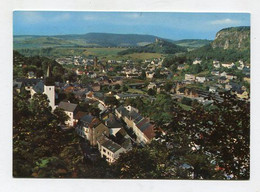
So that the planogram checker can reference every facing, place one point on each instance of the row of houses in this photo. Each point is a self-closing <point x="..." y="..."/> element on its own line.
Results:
<point x="141" y="126"/>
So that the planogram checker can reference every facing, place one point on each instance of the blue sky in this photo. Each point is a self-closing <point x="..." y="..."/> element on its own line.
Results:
<point x="163" y="24"/>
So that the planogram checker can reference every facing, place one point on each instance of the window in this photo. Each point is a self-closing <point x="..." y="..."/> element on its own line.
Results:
<point x="49" y="88"/>
<point x="104" y="150"/>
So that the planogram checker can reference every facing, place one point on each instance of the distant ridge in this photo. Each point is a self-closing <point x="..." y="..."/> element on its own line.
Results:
<point x="95" y="40"/>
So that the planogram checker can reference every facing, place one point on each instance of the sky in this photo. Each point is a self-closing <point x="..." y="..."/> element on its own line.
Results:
<point x="169" y="25"/>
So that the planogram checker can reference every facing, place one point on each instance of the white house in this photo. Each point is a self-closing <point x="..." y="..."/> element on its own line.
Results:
<point x="228" y="65"/>
<point x="70" y="109"/>
<point x="109" y="149"/>
<point x="216" y="64"/>
<point x="149" y="75"/>
<point x="189" y="77"/>
<point x="152" y="85"/>
<point x="201" y="79"/>
<point x="212" y="89"/>
<point x="196" y="61"/>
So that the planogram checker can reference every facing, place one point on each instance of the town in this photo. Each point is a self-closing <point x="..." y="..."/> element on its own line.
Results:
<point x="93" y="116"/>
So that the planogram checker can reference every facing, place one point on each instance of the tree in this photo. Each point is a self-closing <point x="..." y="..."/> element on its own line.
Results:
<point x="111" y="100"/>
<point x="151" y="92"/>
<point x="124" y="88"/>
<point x="60" y="115"/>
<point x="117" y="86"/>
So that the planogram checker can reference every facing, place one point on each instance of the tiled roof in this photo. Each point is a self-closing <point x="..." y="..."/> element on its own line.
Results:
<point x="149" y="132"/>
<point x="80" y="114"/>
<point x="108" y="144"/>
<point x="68" y="106"/>
<point x="39" y="87"/>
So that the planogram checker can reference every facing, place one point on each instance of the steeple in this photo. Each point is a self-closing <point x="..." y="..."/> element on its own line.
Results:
<point x="48" y="71"/>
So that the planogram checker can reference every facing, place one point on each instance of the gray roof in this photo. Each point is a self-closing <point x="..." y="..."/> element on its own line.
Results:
<point x="39" y="87"/>
<point x="87" y="118"/>
<point x="110" y="145"/>
<point x="122" y="110"/>
<point x="68" y="106"/>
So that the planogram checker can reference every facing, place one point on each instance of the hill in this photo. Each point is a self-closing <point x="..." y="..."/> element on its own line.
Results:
<point x="229" y="45"/>
<point x="159" y="46"/>
<point x="95" y="40"/>
<point x="84" y="40"/>
<point x="232" y="38"/>
<point x="192" y="43"/>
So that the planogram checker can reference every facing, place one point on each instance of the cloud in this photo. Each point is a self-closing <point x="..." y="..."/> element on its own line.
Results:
<point x="224" y="21"/>
<point x="31" y="17"/>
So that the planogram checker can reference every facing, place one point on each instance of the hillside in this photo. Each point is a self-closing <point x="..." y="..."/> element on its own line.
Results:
<point x="159" y="46"/>
<point x="230" y="44"/>
<point x="95" y="40"/>
<point x="192" y="43"/>
<point x="232" y="38"/>
<point x="85" y="40"/>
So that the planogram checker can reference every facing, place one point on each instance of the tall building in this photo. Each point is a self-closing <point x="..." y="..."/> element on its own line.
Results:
<point x="47" y="87"/>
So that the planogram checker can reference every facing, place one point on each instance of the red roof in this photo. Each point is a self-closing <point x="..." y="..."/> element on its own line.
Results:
<point x="149" y="132"/>
<point x="80" y="114"/>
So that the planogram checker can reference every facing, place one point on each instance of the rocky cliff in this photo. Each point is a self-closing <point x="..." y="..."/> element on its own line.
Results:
<point x="232" y="38"/>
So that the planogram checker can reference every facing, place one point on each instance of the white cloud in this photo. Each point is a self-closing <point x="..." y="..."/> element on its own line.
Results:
<point x="31" y="17"/>
<point x="224" y="21"/>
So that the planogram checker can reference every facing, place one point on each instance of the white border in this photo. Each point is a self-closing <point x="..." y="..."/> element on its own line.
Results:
<point x="32" y="185"/>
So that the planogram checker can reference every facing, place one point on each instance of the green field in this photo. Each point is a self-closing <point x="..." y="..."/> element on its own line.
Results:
<point x="102" y="53"/>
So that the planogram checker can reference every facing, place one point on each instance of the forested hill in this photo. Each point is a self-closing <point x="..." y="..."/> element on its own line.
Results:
<point x="96" y="40"/>
<point x="230" y="44"/>
<point x="160" y="46"/>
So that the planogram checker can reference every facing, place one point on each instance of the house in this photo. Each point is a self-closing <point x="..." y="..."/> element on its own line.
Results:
<point x="247" y="78"/>
<point x="132" y="75"/>
<point x="223" y="74"/>
<point x="28" y="83"/>
<point x="231" y="77"/>
<point x="91" y="128"/>
<point x="242" y="94"/>
<point x="95" y="86"/>
<point x="216" y="64"/>
<point x="92" y="75"/>
<point x="189" y="77"/>
<point x="228" y="65"/>
<point x="222" y="80"/>
<point x="70" y="109"/>
<point x="124" y="96"/>
<point x="228" y="86"/>
<point x="113" y="124"/>
<point x="31" y="75"/>
<point x="109" y="149"/>
<point x="149" y="74"/>
<point x="214" y="72"/>
<point x="213" y="89"/>
<point x="141" y="126"/>
<point x="181" y="67"/>
<point x="152" y="85"/>
<point x="196" y="61"/>
<point x="201" y="79"/>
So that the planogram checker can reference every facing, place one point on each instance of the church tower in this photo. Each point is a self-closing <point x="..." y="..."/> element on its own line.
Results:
<point x="49" y="88"/>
